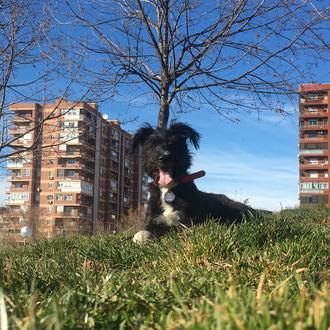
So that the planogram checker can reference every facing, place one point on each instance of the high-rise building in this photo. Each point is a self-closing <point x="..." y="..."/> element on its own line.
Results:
<point x="314" y="144"/>
<point x="73" y="171"/>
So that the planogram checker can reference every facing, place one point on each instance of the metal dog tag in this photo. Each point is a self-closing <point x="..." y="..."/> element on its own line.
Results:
<point x="169" y="197"/>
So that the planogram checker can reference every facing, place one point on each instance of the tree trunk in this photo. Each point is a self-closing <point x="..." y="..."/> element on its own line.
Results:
<point x="164" y="111"/>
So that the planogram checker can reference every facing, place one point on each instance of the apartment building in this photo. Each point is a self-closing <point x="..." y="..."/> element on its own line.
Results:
<point x="79" y="176"/>
<point x="314" y="144"/>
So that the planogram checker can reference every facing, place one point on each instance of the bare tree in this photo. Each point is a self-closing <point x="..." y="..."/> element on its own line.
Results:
<point x="226" y="55"/>
<point x="35" y="67"/>
<point x="24" y="69"/>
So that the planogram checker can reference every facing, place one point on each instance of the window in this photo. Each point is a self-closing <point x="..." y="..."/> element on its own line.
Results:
<point x="49" y="197"/>
<point x="312" y="134"/>
<point x="68" y="209"/>
<point x="314" y="185"/>
<point x="315" y="96"/>
<point x="115" y="144"/>
<point x="59" y="223"/>
<point x="72" y="149"/>
<point x="313" y="161"/>
<point x="60" y="172"/>
<point x="115" y="155"/>
<point x="68" y="197"/>
<point x="115" y="134"/>
<point x="15" y="161"/>
<point x="70" y="173"/>
<point x="50" y="186"/>
<point x="312" y="122"/>
<point x="19" y="196"/>
<point x="314" y="199"/>
<point x="70" y="112"/>
<point x="58" y="197"/>
<point x="18" y="185"/>
<point x="26" y="172"/>
<point x="59" y="209"/>
<point x="311" y="109"/>
<point x="113" y="184"/>
<point x="313" y="174"/>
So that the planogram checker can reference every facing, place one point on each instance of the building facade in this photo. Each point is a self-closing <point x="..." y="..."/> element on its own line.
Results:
<point x="314" y="144"/>
<point x="73" y="172"/>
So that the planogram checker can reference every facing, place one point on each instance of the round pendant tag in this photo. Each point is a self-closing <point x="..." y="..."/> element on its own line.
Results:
<point x="169" y="197"/>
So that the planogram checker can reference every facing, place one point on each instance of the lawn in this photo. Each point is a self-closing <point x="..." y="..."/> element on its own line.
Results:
<point x="263" y="274"/>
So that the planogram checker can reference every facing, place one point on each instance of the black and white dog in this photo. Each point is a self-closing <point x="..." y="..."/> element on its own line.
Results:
<point x="174" y="198"/>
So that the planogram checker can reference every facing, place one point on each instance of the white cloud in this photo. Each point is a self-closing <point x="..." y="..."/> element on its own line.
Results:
<point x="267" y="183"/>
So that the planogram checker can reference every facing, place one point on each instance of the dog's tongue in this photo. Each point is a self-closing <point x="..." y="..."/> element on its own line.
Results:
<point x="164" y="178"/>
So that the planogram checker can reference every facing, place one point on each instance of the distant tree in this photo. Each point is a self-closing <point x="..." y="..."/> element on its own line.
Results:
<point x="189" y="54"/>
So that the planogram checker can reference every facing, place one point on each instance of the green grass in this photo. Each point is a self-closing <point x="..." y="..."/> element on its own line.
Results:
<point x="258" y="275"/>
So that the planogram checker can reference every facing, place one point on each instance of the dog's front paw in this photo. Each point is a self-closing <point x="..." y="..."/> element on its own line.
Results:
<point x="142" y="236"/>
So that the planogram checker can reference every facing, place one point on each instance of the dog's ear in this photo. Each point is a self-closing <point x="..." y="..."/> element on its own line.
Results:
<point x="142" y="135"/>
<point x="187" y="132"/>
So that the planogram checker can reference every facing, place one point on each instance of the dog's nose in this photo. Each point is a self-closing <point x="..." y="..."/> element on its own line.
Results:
<point x="164" y="155"/>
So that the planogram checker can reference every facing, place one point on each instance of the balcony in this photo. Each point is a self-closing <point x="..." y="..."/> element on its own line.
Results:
<point x="21" y="143"/>
<point x="19" y="189"/>
<point x="69" y="154"/>
<point x="19" y="178"/>
<point x="313" y="179"/>
<point x="317" y="100"/>
<point x="14" y="164"/>
<point x="306" y="139"/>
<point x="88" y="156"/>
<point x="72" y="214"/>
<point x="313" y="114"/>
<point x="16" y="201"/>
<point x="313" y="152"/>
<point x="86" y="144"/>
<point x="70" y="177"/>
<point x="309" y="166"/>
<point x="306" y="127"/>
<point x="19" y="130"/>
<point x="312" y="191"/>
<point x="22" y="118"/>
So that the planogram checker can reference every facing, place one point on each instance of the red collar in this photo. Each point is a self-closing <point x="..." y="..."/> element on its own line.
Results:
<point x="184" y="179"/>
<point x="191" y="177"/>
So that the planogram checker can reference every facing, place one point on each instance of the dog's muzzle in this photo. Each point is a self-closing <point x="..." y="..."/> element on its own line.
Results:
<point x="165" y="156"/>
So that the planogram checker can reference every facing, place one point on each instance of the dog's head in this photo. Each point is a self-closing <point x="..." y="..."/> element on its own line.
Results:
<point x="165" y="152"/>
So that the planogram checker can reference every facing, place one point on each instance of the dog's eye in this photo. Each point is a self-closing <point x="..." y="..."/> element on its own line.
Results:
<point x="153" y="146"/>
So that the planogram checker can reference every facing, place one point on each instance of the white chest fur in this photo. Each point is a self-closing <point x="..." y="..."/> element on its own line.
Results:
<point x="169" y="217"/>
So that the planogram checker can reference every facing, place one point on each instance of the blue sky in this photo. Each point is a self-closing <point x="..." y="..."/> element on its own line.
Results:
<point x="254" y="158"/>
